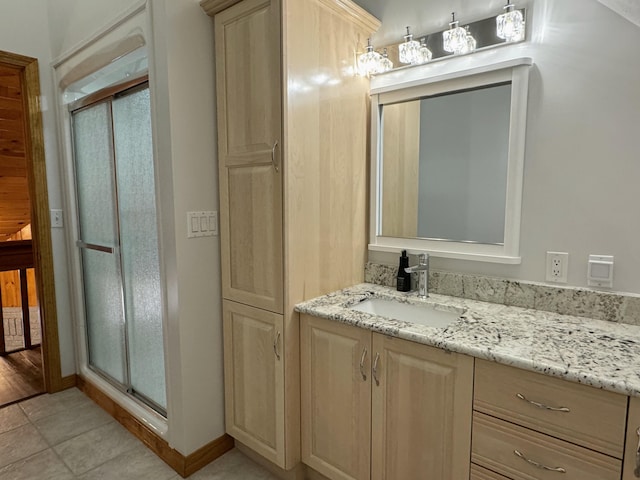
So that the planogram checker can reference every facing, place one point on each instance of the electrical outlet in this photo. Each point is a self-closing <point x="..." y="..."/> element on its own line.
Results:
<point x="557" y="267"/>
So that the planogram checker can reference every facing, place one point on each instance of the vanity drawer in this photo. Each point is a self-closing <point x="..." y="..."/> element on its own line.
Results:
<point x="480" y="473"/>
<point x="495" y="443"/>
<point x="595" y="418"/>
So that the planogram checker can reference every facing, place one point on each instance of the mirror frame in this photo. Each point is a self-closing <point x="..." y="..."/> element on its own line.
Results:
<point x="447" y="77"/>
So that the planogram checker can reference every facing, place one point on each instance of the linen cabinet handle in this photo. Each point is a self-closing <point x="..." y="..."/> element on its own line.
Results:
<point x="364" y="355"/>
<point x="539" y="465"/>
<point x="542" y="405"/>
<point x="375" y="369"/>
<point x="276" y="341"/>
<point x="636" y="471"/>
<point x="273" y="157"/>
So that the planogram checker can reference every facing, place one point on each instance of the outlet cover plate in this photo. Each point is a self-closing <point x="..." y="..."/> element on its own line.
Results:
<point x="557" y="267"/>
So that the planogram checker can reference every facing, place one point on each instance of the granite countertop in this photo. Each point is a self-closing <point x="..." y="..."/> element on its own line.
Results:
<point x="592" y="352"/>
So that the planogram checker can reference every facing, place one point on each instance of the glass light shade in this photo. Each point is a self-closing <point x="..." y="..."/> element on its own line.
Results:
<point x="409" y="50"/>
<point x="385" y="64"/>
<point x="454" y="40"/>
<point x="369" y="61"/>
<point x="471" y="42"/>
<point x="424" y="53"/>
<point x="510" y="25"/>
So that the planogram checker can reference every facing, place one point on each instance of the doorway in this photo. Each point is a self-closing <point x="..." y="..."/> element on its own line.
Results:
<point x="24" y="218"/>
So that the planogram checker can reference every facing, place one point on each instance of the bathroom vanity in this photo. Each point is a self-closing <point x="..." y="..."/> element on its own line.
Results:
<point x="500" y="393"/>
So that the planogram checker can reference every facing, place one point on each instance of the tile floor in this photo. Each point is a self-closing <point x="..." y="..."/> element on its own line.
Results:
<point x="66" y="436"/>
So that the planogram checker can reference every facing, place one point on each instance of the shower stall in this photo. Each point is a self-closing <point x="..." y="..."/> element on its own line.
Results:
<point x="118" y="240"/>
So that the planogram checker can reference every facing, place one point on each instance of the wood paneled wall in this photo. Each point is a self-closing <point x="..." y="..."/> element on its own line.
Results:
<point x="14" y="189"/>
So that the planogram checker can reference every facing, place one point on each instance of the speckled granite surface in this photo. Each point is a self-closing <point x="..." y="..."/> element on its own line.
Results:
<point x="588" y="351"/>
<point x="610" y="306"/>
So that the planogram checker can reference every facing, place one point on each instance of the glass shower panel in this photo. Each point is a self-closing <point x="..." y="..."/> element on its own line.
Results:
<point x="139" y="240"/>
<point x="98" y="234"/>
<point x="105" y="316"/>
<point x="94" y="175"/>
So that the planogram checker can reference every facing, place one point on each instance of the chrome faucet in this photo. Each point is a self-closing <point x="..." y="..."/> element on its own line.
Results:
<point x="423" y="274"/>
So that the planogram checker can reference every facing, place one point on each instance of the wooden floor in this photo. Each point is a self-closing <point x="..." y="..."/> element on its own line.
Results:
<point x="20" y="376"/>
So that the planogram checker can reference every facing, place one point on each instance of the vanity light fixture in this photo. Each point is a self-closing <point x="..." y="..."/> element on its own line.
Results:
<point x="454" y="40"/>
<point x="385" y="64"/>
<point x="424" y="53"/>
<point x="510" y="24"/>
<point x="369" y="61"/>
<point x="409" y="50"/>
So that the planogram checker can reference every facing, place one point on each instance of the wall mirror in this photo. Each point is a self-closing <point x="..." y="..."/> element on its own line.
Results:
<point x="448" y="157"/>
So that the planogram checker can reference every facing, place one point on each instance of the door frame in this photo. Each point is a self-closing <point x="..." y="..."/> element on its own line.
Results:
<point x="40" y="220"/>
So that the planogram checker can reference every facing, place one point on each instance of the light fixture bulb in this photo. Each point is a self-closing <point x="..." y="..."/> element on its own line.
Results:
<point x="409" y="50"/>
<point x="510" y="24"/>
<point x="424" y="53"/>
<point x="369" y="61"/>
<point x="385" y="64"/>
<point x="454" y="40"/>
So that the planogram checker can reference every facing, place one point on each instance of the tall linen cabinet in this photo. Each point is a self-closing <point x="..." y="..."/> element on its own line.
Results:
<point x="292" y="152"/>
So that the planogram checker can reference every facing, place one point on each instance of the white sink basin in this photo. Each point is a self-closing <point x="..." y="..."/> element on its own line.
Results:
<point x="429" y="315"/>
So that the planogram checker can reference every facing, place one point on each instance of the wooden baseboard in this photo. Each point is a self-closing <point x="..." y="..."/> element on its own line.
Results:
<point x="69" y="382"/>
<point x="183" y="465"/>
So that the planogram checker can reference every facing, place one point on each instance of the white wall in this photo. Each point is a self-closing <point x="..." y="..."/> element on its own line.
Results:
<point x="24" y="30"/>
<point x="184" y="57"/>
<point x="72" y="22"/>
<point x="581" y="163"/>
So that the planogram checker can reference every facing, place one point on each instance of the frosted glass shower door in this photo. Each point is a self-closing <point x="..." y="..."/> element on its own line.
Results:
<point x="115" y="185"/>
<point x="95" y="180"/>
<point x="139" y="240"/>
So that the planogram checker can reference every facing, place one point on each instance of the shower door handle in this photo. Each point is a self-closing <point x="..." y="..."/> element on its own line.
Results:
<point x="93" y="246"/>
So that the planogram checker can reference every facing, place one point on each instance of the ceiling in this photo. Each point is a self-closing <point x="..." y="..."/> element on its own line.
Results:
<point x="14" y="196"/>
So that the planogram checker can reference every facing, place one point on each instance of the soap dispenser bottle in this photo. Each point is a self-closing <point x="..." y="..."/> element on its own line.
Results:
<point x="403" y="279"/>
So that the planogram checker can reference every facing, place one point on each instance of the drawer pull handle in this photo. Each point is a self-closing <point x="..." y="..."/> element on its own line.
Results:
<point x="542" y="405"/>
<point x="273" y="157"/>
<point x="375" y="369"/>
<point x="539" y="465"/>
<point x="276" y="341"/>
<point x="636" y="471"/>
<point x="364" y="355"/>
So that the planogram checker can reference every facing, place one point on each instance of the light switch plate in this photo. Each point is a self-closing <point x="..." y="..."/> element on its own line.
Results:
<point x="202" y="224"/>
<point x="56" y="219"/>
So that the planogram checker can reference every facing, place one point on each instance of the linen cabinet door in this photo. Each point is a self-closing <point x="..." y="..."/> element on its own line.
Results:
<point x="248" y="81"/>
<point x="336" y="398"/>
<point x="254" y="379"/>
<point x="421" y="411"/>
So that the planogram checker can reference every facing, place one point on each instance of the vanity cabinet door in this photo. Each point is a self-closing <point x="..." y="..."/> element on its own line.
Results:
<point x="421" y="411"/>
<point x="631" y="457"/>
<point x="336" y="398"/>
<point x="254" y="378"/>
